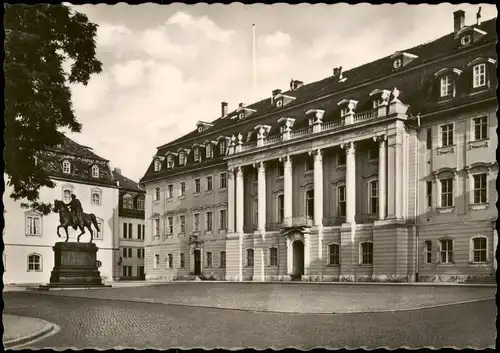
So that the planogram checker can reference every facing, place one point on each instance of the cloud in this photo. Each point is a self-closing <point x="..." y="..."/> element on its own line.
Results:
<point x="111" y="35"/>
<point x="277" y="40"/>
<point x="92" y="97"/>
<point x="203" y="25"/>
<point x="157" y="44"/>
<point x="128" y="74"/>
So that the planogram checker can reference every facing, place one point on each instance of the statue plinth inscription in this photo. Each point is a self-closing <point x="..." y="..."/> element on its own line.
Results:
<point x="75" y="265"/>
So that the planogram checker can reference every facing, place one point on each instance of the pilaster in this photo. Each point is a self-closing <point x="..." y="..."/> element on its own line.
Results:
<point x="230" y="201"/>
<point x="261" y="197"/>
<point x="382" y="176"/>
<point x="350" y="151"/>
<point x="287" y="186"/>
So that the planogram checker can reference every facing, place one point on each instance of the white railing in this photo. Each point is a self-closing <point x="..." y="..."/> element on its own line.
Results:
<point x="272" y="139"/>
<point x="301" y="132"/>
<point x="332" y="124"/>
<point x="366" y="115"/>
<point x="298" y="221"/>
<point x="248" y="146"/>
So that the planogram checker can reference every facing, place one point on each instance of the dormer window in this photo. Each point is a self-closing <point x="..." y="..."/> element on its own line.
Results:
<point x="208" y="151"/>
<point x="182" y="158"/>
<point x="196" y="154"/>
<point x="446" y="86"/>
<point x="241" y="115"/>
<point x="222" y="147"/>
<point x="157" y="165"/>
<point x="170" y="162"/>
<point x="401" y="59"/>
<point x="279" y="103"/>
<point x="66" y="167"/>
<point x="95" y="171"/>
<point x="479" y="75"/>
<point x="466" y="39"/>
<point x="397" y="63"/>
<point x="446" y="79"/>
<point x="201" y="126"/>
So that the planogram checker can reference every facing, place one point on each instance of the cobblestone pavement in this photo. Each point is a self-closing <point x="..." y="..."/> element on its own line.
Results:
<point x="328" y="298"/>
<point x="99" y="323"/>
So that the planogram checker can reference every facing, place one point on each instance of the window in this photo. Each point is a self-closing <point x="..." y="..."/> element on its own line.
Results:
<point x="281" y="169"/>
<point x="208" y="151"/>
<point x="222" y="259"/>
<point x="281" y="208"/>
<point x="222" y="219"/>
<point x="341" y="158"/>
<point x="209" y="183"/>
<point x="343" y="112"/>
<point x="182" y="259"/>
<point x="140" y="253"/>
<point x="157" y="194"/>
<point x="377" y="103"/>
<point x="209" y="221"/>
<point x="310" y="204"/>
<point x="446" y="86"/>
<point x="222" y="180"/>
<point x="374" y="197"/>
<point x="95" y="171"/>
<point x="429" y="193"/>
<point x="157" y="165"/>
<point x="125" y="231"/>
<point x="139" y="231"/>
<point x="222" y="147"/>
<point x="67" y="195"/>
<point x="127" y="271"/>
<point x="479" y="250"/>
<point x="309" y="163"/>
<point x="273" y="256"/>
<point x="66" y="167"/>
<point x="182" y="219"/>
<point x="182" y="158"/>
<point x="157" y="261"/>
<point x="479" y="75"/>
<point x="480" y="128"/>
<point x="170" y="261"/>
<point x="428" y="252"/>
<point x="209" y="259"/>
<point x="429" y="139"/>
<point x="249" y="257"/>
<point x="197" y="186"/>
<point x="255" y="211"/>
<point x="170" y="162"/>
<point x="128" y="203"/>
<point x="480" y="195"/>
<point x="447" y="192"/>
<point x="196" y="222"/>
<point x="446" y="251"/>
<point x="33" y="224"/>
<point x="130" y="230"/>
<point x="333" y="254"/>
<point x="373" y="153"/>
<point x="447" y="135"/>
<point x="127" y="252"/>
<point x="196" y="154"/>
<point x="34" y="263"/>
<point x="367" y="253"/>
<point x="170" y="221"/>
<point x="140" y="203"/>
<point x="341" y="204"/>
<point x="466" y="39"/>
<point x="157" y="227"/>
<point x="143" y="231"/>
<point x="170" y="191"/>
<point x="183" y="188"/>
<point x="397" y="63"/>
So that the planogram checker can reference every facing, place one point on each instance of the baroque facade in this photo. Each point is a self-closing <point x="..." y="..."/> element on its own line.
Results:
<point x="28" y="236"/>
<point x="385" y="172"/>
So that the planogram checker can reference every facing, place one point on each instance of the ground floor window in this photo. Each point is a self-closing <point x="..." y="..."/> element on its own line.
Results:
<point x="157" y="261"/>
<point x="428" y="251"/>
<point x="182" y="260"/>
<point x="34" y="262"/>
<point x="127" y="271"/>
<point x="367" y="253"/>
<point x="170" y="261"/>
<point x="222" y="259"/>
<point x="446" y="251"/>
<point x="333" y="254"/>
<point x="209" y="259"/>
<point x="250" y="258"/>
<point x="273" y="256"/>
<point x="479" y="249"/>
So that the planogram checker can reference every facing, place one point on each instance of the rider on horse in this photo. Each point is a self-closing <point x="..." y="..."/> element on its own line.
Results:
<point x="77" y="212"/>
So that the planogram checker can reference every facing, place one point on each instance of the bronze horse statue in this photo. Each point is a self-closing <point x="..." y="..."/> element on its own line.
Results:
<point x="66" y="220"/>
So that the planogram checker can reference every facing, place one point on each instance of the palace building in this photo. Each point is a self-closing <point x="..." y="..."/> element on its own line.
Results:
<point x="28" y="236"/>
<point x="385" y="172"/>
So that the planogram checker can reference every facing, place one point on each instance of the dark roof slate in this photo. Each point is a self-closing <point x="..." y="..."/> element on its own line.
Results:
<point x="126" y="183"/>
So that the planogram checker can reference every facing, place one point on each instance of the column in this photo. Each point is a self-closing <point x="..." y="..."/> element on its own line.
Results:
<point x="382" y="177"/>
<point x="288" y="190"/>
<point x="350" y="178"/>
<point x="289" y="256"/>
<point x="307" y="253"/>
<point x="230" y="201"/>
<point x="239" y="200"/>
<point x="318" y="187"/>
<point x="399" y="173"/>
<point x="261" y="196"/>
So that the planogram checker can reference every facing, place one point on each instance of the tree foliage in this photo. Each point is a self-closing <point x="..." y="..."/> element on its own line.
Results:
<point x="38" y="39"/>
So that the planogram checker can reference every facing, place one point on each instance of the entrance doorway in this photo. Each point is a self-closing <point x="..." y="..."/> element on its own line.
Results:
<point x="197" y="262"/>
<point x="298" y="259"/>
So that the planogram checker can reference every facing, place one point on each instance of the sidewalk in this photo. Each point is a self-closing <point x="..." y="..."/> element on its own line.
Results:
<point x="20" y="330"/>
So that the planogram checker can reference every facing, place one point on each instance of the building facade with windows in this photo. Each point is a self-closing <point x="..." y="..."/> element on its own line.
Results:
<point x="132" y="228"/>
<point x="385" y="172"/>
<point x="29" y="236"/>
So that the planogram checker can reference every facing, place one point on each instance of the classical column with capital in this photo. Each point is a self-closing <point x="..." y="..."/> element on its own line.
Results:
<point x="350" y="178"/>
<point x="239" y="219"/>
<point x="230" y="201"/>
<point x="288" y="190"/>
<point x="399" y="172"/>
<point x="261" y="196"/>
<point x="318" y="197"/>
<point x="382" y="176"/>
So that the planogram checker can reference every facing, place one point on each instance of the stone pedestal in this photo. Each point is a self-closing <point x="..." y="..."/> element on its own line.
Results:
<point x="75" y="266"/>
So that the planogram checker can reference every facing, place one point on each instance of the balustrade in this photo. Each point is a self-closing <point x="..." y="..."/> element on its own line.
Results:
<point x="366" y="115"/>
<point x="272" y="139"/>
<point x="301" y="132"/>
<point x="299" y="221"/>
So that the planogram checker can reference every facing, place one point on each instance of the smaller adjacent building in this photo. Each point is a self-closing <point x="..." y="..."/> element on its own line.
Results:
<point x="131" y="227"/>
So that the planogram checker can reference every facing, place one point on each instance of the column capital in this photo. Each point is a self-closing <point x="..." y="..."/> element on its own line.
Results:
<point x="287" y="160"/>
<point x="349" y="147"/>
<point x="239" y="171"/>
<point x="260" y="166"/>
<point x="380" y="138"/>
<point x="317" y="154"/>
<point x="230" y="173"/>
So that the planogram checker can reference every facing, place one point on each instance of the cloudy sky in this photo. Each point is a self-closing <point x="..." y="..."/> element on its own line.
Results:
<point x="167" y="67"/>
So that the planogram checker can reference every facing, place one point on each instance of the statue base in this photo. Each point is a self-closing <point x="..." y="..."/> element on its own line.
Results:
<point x="75" y="266"/>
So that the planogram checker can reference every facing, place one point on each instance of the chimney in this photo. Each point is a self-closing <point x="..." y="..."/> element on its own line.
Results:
<point x="118" y="170"/>
<point x="223" y="107"/>
<point x="296" y="84"/>
<point x="241" y="105"/>
<point x="337" y="72"/>
<point x="458" y="20"/>
<point x="274" y="94"/>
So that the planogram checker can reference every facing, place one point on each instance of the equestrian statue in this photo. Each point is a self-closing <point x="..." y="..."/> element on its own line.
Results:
<point x="72" y="214"/>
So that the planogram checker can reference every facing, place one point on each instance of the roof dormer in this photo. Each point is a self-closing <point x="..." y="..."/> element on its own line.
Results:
<point x="347" y="107"/>
<point x="466" y="35"/>
<point x="196" y="152"/>
<point x="295" y="84"/>
<point x="338" y="74"/>
<point x="280" y="99"/>
<point x="183" y="152"/>
<point x="202" y="126"/>
<point x="401" y="59"/>
<point x="209" y="148"/>
<point x="156" y="165"/>
<point x="242" y="112"/>
<point x="262" y="131"/>
<point x="170" y="159"/>
<point x="380" y="97"/>
<point x="286" y="124"/>
<point x="315" y="116"/>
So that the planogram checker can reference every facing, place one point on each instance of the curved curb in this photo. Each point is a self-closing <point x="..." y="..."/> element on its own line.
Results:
<point x="48" y="330"/>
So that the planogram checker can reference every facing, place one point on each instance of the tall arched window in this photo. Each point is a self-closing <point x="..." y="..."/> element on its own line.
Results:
<point x="310" y="204"/>
<point x="34" y="262"/>
<point x="66" y="166"/>
<point x="157" y="165"/>
<point x="96" y="197"/>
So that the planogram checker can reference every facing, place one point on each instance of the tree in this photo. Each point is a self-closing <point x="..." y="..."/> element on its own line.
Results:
<point x="38" y="39"/>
